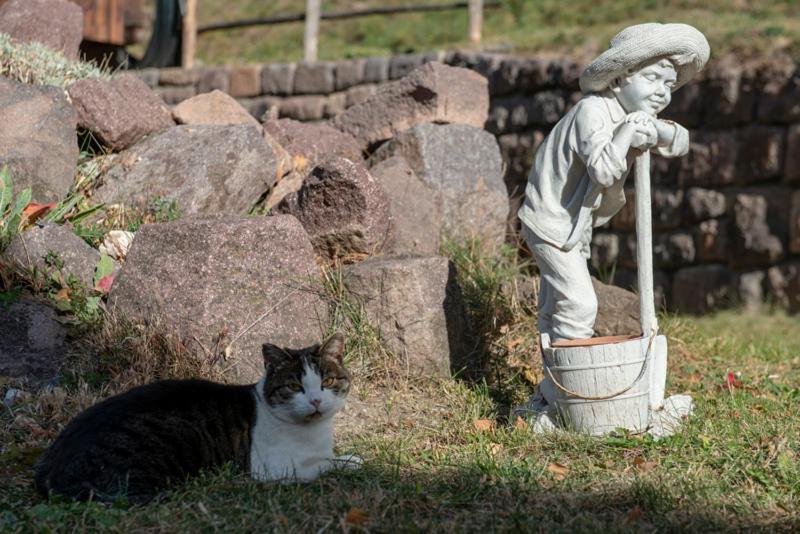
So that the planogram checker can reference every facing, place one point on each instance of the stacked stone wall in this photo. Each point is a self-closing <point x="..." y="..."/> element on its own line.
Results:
<point x="726" y="216"/>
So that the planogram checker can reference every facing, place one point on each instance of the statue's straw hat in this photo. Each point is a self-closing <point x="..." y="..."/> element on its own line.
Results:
<point x="636" y="44"/>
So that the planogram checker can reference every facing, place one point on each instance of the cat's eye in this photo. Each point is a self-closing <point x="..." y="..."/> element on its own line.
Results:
<point x="328" y="382"/>
<point x="294" y="387"/>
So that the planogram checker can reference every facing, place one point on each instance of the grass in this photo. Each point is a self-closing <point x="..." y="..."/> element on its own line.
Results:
<point x="581" y="28"/>
<point x="34" y="63"/>
<point x="444" y="455"/>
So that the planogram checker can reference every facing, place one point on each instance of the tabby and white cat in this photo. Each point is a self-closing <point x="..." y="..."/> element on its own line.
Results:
<point x="140" y="442"/>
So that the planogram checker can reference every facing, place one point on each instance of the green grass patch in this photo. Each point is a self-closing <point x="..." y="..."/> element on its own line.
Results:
<point x="444" y="455"/>
<point x="581" y="28"/>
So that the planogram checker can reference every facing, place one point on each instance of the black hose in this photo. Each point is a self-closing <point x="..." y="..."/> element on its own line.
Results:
<point x="164" y="48"/>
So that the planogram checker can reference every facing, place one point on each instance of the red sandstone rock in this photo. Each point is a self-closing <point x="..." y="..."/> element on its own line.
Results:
<point x="57" y="24"/>
<point x="119" y="112"/>
<point x="433" y="92"/>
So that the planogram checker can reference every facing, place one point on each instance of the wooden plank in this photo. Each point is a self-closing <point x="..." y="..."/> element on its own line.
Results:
<point x="103" y="21"/>
<point x="340" y="15"/>
<point x="475" y="20"/>
<point x="311" y="35"/>
<point x="189" y="37"/>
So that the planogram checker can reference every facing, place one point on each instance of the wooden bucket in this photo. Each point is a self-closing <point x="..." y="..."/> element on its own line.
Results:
<point x="603" y="384"/>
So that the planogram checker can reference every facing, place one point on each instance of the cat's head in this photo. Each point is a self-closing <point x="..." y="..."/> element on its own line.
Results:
<point x="306" y="385"/>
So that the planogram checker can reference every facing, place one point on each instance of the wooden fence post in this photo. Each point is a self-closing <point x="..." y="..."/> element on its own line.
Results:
<point x="475" y="20"/>
<point x="311" y="37"/>
<point x="189" y="35"/>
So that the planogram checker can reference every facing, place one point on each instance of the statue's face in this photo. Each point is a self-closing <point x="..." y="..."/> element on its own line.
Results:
<point x="649" y="89"/>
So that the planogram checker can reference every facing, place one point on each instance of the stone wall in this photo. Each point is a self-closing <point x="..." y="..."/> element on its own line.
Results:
<point x="726" y="217"/>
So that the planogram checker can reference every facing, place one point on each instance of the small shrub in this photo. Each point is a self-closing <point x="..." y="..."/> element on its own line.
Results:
<point x="11" y="209"/>
<point x="35" y="64"/>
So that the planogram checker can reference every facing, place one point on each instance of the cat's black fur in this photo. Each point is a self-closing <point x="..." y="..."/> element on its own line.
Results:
<point x="138" y="443"/>
<point x="155" y="435"/>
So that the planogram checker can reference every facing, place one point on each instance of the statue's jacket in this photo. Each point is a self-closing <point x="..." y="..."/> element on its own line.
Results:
<point x="578" y="175"/>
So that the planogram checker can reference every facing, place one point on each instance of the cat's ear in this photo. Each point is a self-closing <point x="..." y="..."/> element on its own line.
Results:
<point x="333" y="348"/>
<point x="272" y="353"/>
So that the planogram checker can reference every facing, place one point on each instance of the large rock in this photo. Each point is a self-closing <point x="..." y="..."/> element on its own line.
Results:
<point x="784" y="284"/>
<point x="37" y="139"/>
<point x="517" y="113"/>
<point x="215" y="107"/>
<point x="670" y="250"/>
<point x="702" y="288"/>
<point x="205" y="169"/>
<point x="416" y="209"/>
<point x="57" y="24"/>
<point x="32" y="341"/>
<point x="48" y="248"/>
<point x="760" y="153"/>
<point x="711" y="241"/>
<point x="754" y="239"/>
<point x="310" y="144"/>
<point x="667" y="205"/>
<point x="617" y="310"/>
<point x="729" y="98"/>
<point x="417" y="307"/>
<point x="704" y="204"/>
<point x="791" y="173"/>
<point x="210" y="278"/>
<point x="433" y="92"/>
<point x="119" y="112"/>
<point x="794" y="224"/>
<point x="712" y="159"/>
<point x="343" y="209"/>
<point x="605" y="250"/>
<point x="464" y="165"/>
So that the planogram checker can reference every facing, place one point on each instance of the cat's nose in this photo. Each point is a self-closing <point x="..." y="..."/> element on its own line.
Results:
<point x="315" y="402"/>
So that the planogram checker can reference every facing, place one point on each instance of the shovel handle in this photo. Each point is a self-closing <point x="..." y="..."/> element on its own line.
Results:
<point x="644" y="245"/>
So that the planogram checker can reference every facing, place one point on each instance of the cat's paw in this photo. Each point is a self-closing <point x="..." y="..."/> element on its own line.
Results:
<point x="348" y="461"/>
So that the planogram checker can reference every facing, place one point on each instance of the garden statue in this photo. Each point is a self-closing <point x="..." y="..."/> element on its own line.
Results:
<point x="576" y="183"/>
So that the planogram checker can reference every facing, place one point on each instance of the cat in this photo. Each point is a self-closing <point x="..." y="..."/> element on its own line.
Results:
<point x="139" y="443"/>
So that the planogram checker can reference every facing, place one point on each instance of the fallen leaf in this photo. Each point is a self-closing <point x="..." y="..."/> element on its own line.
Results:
<point x="558" y="470"/>
<point x="495" y="449"/>
<point x="643" y="465"/>
<point x="104" y="284"/>
<point x="63" y="294"/>
<point x="520" y="424"/>
<point x="504" y="329"/>
<point x="513" y="343"/>
<point x="731" y="382"/>
<point x="33" y="212"/>
<point x="356" y="516"/>
<point x="484" y="425"/>
<point x="633" y="515"/>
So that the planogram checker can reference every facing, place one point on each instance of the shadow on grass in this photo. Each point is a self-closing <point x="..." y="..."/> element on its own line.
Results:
<point x="385" y="497"/>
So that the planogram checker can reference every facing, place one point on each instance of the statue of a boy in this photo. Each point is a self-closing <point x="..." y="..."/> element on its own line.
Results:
<point x="578" y="174"/>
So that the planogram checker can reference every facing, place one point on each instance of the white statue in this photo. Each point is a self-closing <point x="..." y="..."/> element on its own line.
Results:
<point x="580" y="168"/>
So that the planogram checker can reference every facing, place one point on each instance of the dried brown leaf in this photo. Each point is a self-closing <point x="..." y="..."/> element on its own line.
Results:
<point x="520" y="424"/>
<point x="558" y="470"/>
<point x="356" y="516"/>
<point x="484" y="425"/>
<point x="642" y="465"/>
<point x="633" y="515"/>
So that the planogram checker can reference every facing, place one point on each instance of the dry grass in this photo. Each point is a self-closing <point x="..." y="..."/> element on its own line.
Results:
<point x="36" y="64"/>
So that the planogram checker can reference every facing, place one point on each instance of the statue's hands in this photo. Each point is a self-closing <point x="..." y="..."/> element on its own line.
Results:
<point x="646" y="133"/>
<point x="666" y="132"/>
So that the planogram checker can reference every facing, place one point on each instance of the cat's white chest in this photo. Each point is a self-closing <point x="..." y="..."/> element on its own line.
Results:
<point x="281" y="450"/>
